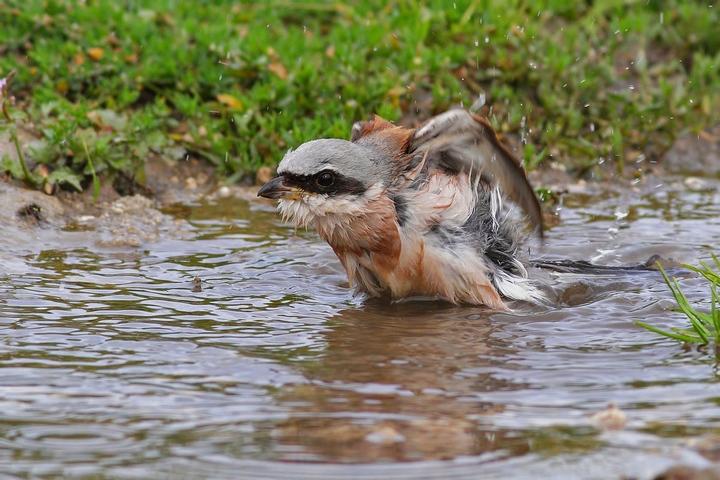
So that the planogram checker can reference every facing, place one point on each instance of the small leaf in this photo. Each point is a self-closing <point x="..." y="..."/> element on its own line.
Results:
<point x="230" y="101"/>
<point x="64" y="175"/>
<point x="676" y="336"/>
<point x="278" y="69"/>
<point x="96" y="53"/>
<point x="7" y="165"/>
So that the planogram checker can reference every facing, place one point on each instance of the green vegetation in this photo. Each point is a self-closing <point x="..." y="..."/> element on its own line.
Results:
<point x="705" y="326"/>
<point x="238" y="83"/>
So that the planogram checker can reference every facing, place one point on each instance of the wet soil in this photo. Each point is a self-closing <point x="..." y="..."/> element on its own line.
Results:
<point x="112" y="219"/>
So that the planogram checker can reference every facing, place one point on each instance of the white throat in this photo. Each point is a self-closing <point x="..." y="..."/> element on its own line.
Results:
<point x="338" y="209"/>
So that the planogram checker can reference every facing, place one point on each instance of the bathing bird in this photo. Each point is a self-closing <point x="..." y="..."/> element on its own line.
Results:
<point x="442" y="210"/>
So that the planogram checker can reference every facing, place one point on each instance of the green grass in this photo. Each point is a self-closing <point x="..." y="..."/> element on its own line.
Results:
<point x="704" y="326"/>
<point x="606" y="82"/>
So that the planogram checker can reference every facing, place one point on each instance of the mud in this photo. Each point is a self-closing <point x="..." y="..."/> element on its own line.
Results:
<point x="131" y="221"/>
<point x="695" y="153"/>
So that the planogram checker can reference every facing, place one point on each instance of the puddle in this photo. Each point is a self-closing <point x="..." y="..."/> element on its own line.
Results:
<point x="114" y="363"/>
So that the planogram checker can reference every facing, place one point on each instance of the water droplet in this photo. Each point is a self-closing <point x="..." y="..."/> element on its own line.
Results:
<point x="487" y="39"/>
<point x="592" y="127"/>
<point x="622" y="212"/>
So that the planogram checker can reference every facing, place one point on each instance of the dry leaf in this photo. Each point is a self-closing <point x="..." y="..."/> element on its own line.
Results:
<point x="62" y="86"/>
<point x="395" y="92"/>
<point x="230" y="101"/>
<point x="278" y="69"/>
<point x="96" y="53"/>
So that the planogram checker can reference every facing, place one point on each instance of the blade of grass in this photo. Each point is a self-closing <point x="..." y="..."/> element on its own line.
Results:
<point x="687" y="309"/>
<point x="705" y="271"/>
<point x="698" y="319"/>
<point x="685" y="306"/>
<point x="96" y="180"/>
<point x="676" y="336"/>
<point x="714" y="301"/>
<point x="717" y="262"/>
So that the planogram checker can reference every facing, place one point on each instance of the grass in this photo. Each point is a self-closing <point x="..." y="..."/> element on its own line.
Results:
<point x="704" y="326"/>
<point x="598" y="86"/>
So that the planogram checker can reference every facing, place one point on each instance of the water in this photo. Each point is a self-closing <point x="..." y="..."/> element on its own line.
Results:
<point x="112" y="366"/>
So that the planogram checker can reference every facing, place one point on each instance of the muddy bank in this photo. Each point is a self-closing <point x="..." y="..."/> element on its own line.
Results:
<point x="33" y="220"/>
<point x="695" y="153"/>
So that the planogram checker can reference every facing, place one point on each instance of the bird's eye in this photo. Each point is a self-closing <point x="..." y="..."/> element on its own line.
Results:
<point x="325" y="179"/>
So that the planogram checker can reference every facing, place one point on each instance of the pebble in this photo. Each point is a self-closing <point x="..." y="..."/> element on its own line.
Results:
<point x="223" y="192"/>
<point x="385" y="436"/>
<point x="696" y="183"/>
<point x="612" y="418"/>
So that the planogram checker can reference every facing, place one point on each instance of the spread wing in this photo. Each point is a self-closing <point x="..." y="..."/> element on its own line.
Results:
<point x="457" y="141"/>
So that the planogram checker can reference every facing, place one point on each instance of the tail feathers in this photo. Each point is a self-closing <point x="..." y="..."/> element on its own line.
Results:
<point x="585" y="267"/>
<point x="517" y="286"/>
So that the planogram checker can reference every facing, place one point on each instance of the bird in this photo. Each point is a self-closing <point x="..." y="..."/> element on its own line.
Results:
<point x="442" y="210"/>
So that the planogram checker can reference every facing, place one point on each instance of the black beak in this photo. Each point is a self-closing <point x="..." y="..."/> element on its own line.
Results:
<point x="276" y="188"/>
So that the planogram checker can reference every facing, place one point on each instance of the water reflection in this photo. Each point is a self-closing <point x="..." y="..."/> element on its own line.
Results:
<point x="387" y="387"/>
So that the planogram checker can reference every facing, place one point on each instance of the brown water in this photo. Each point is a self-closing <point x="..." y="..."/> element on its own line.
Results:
<point x="112" y="366"/>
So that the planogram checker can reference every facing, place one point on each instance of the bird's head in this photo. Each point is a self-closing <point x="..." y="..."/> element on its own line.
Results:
<point x="327" y="178"/>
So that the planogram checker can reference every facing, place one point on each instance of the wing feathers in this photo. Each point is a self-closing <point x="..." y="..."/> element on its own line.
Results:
<point x="458" y="141"/>
<point x="360" y="129"/>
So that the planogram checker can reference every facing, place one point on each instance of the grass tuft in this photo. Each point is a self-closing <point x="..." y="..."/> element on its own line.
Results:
<point x="705" y="327"/>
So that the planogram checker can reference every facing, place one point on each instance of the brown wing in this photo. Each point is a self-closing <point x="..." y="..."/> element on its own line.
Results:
<point x="386" y="138"/>
<point x="360" y="129"/>
<point x="458" y="141"/>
